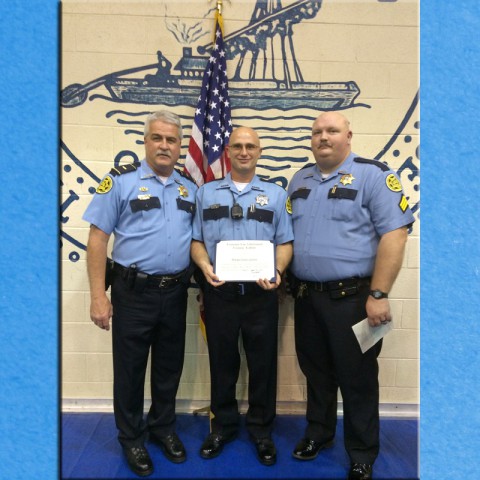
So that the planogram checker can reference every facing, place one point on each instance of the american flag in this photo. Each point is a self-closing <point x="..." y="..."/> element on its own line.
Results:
<point x="206" y="157"/>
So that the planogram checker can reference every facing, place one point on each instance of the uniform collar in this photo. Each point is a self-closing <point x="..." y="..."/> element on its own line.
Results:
<point x="346" y="166"/>
<point x="227" y="182"/>
<point x="147" y="172"/>
<point x="343" y="169"/>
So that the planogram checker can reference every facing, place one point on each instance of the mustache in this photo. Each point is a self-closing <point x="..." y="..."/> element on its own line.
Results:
<point x="163" y="152"/>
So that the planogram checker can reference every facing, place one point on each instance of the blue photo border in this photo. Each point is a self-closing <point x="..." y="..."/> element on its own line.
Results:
<point x="29" y="338"/>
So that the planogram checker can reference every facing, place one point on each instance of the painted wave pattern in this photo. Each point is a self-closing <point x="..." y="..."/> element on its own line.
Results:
<point x="286" y="148"/>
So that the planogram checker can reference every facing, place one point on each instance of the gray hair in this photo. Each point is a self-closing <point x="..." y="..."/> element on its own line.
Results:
<point x="164" y="116"/>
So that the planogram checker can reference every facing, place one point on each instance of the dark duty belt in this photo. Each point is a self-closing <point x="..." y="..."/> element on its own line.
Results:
<point x="336" y="288"/>
<point x="158" y="281"/>
<point x="239" y="289"/>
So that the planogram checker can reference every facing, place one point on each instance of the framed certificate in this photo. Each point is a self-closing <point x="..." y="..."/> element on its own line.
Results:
<point x="245" y="260"/>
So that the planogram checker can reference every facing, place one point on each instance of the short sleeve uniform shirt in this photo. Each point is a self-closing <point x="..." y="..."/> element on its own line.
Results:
<point x="151" y="221"/>
<point x="338" y="221"/>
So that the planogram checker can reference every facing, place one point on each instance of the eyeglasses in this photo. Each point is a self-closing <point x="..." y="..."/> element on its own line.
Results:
<point x="249" y="147"/>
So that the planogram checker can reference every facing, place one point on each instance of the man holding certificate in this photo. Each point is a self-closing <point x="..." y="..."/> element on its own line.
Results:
<point x="242" y="243"/>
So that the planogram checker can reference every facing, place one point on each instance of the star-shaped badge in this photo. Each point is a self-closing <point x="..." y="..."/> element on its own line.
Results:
<point x="262" y="200"/>
<point x="183" y="191"/>
<point x="347" y="179"/>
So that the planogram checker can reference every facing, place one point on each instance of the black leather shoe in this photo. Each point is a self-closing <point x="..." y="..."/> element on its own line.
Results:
<point x="266" y="451"/>
<point x="139" y="460"/>
<point x="172" y="447"/>
<point x="307" y="449"/>
<point x="360" y="471"/>
<point x="213" y="445"/>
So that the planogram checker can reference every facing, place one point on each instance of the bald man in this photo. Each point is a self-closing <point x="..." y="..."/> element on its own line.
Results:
<point x="350" y="221"/>
<point x="241" y="207"/>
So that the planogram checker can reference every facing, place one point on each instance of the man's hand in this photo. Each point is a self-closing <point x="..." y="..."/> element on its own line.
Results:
<point x="210" y="276"/>
<point x="267" y="284"/>
<point x="378" y="311"/>
<point x="101" y="311"/>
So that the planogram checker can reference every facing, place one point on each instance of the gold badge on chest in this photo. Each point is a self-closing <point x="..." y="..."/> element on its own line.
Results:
<point x="347" y="179"/>
<point x="182" y="190"/>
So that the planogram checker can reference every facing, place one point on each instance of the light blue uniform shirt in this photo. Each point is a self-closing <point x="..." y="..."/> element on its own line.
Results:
<point x="269" y="205"/>
<point x="337" y="237"/>
<point x="151" y="222"/>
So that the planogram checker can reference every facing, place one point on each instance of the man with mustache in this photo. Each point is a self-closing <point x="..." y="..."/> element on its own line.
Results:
<point x="149" y="208"/>
<point x="350" y="221"/>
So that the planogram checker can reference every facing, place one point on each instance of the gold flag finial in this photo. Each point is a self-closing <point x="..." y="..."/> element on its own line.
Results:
<point x="219" y="6"/>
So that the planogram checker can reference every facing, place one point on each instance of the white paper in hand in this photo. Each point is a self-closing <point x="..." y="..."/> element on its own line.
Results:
<point x="368" y="336"/>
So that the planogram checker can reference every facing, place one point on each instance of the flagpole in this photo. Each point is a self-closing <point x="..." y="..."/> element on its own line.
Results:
<point x="206" y="158"/>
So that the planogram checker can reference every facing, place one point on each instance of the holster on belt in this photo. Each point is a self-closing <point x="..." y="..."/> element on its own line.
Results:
<point x="140" y="282"/>
<point x="199" y="277"/>
<point x="188" y="274"/>
<point x="295" y="286"/>
<point x="108" y="273"/>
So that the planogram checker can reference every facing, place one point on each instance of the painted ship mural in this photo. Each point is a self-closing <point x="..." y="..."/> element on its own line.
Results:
<point x="262" y="87"/>
<point x="264" y="76"/>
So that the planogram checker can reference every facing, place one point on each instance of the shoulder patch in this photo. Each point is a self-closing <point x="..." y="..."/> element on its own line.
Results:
<point x="105" y="186"/>
<point x="185" y="175"/>
<point x="393" y="183"/>
<point x="288" y="206"/>
<point x="382" y="166"/>
<point x="121" y="169"/>
<point x="268" y="180"/>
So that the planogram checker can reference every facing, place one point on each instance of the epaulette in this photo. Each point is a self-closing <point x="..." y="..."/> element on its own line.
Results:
<point x="121" y="169"/>
<point x="308" y="165"/>
<point x="217" y="180"/>
<point x="378" y="164"/>
<point x="186" y="175"/>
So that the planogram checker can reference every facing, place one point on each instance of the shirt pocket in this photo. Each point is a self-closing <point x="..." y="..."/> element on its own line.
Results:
<point x="298" y="199"/>
<point x="215" y="223"/>
<point x="263" y="220"/>
<point x="343" y="203"/>
<point x="145" y="212"/>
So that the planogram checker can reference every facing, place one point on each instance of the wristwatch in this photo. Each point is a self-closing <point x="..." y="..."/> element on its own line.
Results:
<point x="378" y="294"/>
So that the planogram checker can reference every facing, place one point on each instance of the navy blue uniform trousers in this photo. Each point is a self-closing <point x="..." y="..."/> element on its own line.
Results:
<point x="254" y="316"/>
<point x="330" y="358"/>
<point x="152" y="320"/>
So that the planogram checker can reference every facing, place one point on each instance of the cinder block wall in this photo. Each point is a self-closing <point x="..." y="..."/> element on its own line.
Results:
<point x="373" y="43"/>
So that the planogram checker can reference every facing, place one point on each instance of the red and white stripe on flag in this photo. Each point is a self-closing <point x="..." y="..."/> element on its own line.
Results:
<point x="206" y="158"/>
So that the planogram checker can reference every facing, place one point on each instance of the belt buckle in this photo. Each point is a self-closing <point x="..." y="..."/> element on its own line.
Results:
<point x="241" y="289"/>
<point x="163" y="282"/>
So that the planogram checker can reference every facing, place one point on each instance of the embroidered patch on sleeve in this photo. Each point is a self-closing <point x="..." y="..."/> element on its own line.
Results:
<point x="288" y="206"/>
<point x="393" y="184"/>
<point x="106" y="185"/>
<point x="403" y="204"/>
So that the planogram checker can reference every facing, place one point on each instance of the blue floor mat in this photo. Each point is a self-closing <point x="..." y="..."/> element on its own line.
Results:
<point x="90" y="450"/>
